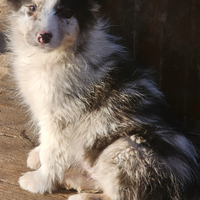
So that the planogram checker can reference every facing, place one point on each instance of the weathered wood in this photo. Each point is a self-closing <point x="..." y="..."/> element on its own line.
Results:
<point x="192" y="102"/>
<point x="164" y="35"/>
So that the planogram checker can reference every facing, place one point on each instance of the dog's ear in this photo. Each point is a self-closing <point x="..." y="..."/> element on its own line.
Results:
<point x="14" y="4"/>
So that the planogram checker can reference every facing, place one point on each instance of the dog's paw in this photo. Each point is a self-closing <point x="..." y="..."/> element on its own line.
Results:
<point x="81" y="182"/>
<point x="33" y="160"/>
<point x="86" y="196"/>
<point x="79" y="197"/>
<point x="34" y="182"/>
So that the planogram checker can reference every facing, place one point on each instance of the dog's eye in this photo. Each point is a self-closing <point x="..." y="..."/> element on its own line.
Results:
<point x="32" y="8"/>
<point x="65" y="13"/>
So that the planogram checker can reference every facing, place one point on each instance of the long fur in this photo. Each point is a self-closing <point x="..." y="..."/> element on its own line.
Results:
<point x="102" y="120"/>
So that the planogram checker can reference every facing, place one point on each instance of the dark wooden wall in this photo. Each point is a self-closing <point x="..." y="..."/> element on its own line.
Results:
<point x="165" y="35"/>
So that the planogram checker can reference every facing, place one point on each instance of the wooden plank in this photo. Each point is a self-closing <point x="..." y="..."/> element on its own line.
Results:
<point x="149" y="24"/>
<point x="192" y="106"/>
<point x="159" y="34"/>
<point x="175" y="54"/>
<point x="120" y="13"/>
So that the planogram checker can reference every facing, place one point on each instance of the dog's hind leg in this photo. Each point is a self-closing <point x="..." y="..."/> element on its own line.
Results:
<point x="130" y="170"/>
<point x="80" y="181"/>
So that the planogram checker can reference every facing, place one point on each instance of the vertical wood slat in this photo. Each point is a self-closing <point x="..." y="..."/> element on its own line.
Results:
<point x="164" y="34"/>
<point x="175" y="54"/>
<point x="121" y="15"/>
<point x="149" y="20"/>
<point x="192" y="114"/>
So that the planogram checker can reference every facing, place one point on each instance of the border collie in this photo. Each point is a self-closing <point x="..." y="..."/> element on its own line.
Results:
<point x="103" y="123"/>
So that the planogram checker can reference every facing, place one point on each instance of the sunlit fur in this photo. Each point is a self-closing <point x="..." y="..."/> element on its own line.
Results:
<point x="103" y="124"/>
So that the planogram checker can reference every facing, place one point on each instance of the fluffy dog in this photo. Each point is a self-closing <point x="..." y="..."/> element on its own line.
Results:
<point x="103" y="124"/>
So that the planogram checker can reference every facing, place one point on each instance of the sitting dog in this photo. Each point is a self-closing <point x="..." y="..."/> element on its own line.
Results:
<point x="103" y="123"/>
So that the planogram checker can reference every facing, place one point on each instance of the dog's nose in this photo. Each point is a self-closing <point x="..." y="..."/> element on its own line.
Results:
<point x="44" y="37"/>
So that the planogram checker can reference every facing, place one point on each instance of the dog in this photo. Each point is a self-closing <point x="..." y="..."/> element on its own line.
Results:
<point x="103" y="123"/>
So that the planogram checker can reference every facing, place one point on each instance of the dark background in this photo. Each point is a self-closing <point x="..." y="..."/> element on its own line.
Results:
<point x="164" y="35"/>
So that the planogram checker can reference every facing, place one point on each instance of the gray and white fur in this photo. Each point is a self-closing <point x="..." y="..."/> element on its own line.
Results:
<point x="103" y="124"/>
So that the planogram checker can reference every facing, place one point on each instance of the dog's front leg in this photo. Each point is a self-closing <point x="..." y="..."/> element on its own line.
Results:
<point x="45" y="178"/>
<point x="52" y="156"/>
<point x="37" y="181"/>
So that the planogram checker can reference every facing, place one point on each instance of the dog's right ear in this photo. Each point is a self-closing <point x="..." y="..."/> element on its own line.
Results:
<point x="14" y="4"/>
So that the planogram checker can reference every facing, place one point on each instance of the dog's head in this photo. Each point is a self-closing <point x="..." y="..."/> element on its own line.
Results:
<point x="51" y="24"/>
